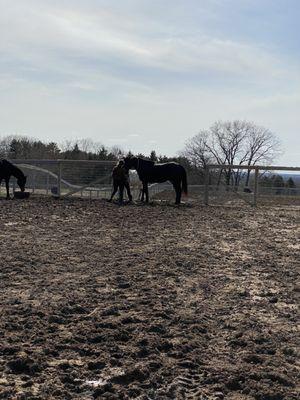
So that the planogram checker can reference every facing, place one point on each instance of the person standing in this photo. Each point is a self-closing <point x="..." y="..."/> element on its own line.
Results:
<point x="120" y="180"/>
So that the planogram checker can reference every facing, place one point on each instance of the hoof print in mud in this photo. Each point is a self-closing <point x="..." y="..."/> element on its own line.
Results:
<point x="165" y="346"/>
<point x="96" y="365"/>
<point x="132" y="375"/>
<point x="123" y="285"/>
<point x="235" y="383"/>
<point x="23" y="366"/>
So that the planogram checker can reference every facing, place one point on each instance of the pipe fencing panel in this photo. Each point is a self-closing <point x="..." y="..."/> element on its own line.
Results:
<point x="68" y="177"/>
<point x="232" y="184"/>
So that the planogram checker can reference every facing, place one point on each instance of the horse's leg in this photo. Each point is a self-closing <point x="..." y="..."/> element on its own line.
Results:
<point x="128" y="191"/>
<point x="178" y="195"/>
<point x="177" y="188"/>
<point x="7" y="188"/>
<point x="145" y="190"/>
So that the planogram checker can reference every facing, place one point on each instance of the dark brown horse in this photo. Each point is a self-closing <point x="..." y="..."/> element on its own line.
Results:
<point x="149" y="172"/>
<point x="7" y="170"/>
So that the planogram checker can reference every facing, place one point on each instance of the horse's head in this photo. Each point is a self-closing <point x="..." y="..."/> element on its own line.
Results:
<point x="21" y="183"/>
<point x="130" y="162"/>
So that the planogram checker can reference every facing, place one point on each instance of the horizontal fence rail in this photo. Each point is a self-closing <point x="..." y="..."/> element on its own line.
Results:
<point x="251" y="167"/>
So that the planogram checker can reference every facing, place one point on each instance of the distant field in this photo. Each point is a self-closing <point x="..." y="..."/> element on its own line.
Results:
<point x="147" y="302"/>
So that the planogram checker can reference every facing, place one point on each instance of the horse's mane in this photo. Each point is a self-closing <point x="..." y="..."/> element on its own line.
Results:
<point x="147" y="163"/>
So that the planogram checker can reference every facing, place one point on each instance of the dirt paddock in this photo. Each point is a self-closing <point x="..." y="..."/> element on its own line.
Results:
<point x="147" y="302"/>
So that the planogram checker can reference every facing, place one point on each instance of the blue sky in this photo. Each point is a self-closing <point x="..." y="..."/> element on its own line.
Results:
<point x="149" y="74"/>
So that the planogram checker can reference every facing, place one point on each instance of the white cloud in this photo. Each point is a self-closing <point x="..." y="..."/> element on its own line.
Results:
<point x="66" y="41"/>
<point x="99" y="70"/>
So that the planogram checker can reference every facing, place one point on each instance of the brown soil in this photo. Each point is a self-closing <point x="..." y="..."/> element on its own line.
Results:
<point x="147" y="302"/>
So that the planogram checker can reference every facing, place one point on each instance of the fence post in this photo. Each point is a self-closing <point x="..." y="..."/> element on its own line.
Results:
<point x="47" y="183"/>
<point x="255" y="187"/>
<point x="59" y="179"/>
<point x="33" y="182"/>
<point x="206" y="185"/>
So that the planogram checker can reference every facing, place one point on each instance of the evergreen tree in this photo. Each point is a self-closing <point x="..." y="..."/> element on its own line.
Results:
<point x="290" y="183"/>
<point x="278" y="181"/>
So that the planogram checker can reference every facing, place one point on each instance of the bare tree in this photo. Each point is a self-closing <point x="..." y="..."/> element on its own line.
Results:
<point x="262" y="146"/>
<point x="88" y="145"/>
<point x="231" y="143"/>
<point x="116" y="151"/>
<point x="221" y="144"/>
<point x="228" y="138"/>
<point x="197" y="150"/>
<point x="67" y="145"/>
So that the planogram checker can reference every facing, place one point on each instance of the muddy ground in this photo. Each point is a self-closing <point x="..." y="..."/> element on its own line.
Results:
<point x="147" y="302"/>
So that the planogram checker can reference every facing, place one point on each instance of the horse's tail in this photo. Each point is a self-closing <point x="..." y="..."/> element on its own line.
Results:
<point x="184" y="181"/>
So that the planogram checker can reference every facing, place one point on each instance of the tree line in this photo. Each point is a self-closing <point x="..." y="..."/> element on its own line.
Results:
<point x="22" y="147"/>
<point x="225" y="142"/>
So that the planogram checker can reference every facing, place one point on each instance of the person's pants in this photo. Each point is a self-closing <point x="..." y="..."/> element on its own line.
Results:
<point x="120" y="185"/>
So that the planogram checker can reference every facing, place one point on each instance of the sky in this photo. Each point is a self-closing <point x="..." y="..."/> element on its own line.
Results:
<point x="149" y="74"/>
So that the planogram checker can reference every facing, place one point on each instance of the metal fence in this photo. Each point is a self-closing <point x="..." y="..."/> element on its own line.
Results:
<point x="63" y="178"/>
<point x="92" y="179"/>
<point x="78" y="178"/>
<point x="222" y="195"/>
<point x="258" y="190"/>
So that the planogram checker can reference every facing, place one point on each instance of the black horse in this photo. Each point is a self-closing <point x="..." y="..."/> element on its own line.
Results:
<point x="149" y="172"/>
<point x="7" y="170"/>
